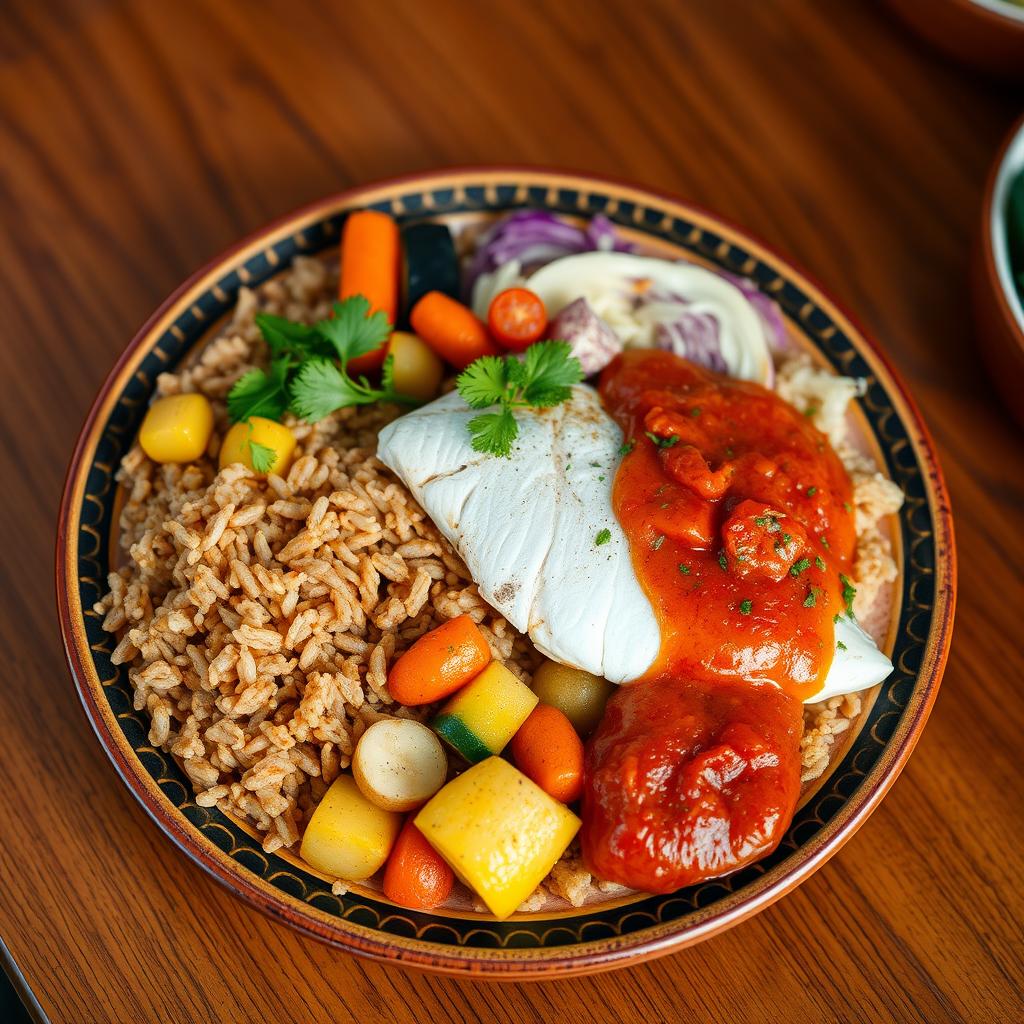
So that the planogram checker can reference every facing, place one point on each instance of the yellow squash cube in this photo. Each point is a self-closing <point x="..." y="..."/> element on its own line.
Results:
<point x="500" y="832"/>
<point x="238" y="442"/>
<point x="177" y="428"/>
<point x="349" y="837"/>
<point x="416" y="367"/>
<point x="485" y="714"/>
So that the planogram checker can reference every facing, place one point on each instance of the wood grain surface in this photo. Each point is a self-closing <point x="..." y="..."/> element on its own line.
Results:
<point x="139" y="138"/>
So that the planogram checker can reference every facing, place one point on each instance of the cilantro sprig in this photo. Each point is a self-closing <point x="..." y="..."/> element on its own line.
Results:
<point x="541" y="379"/>
<point x="308" y="372"/>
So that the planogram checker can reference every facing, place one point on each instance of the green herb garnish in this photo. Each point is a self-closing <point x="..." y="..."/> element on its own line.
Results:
<point x="812" y="491"/>
<point x="308" y="372"/>
<point x="849" y="593"/>
<point x="812" y="598"/>
<point x="840" y="645"/>
<point x="819" y="562"/>
<point x="684" y="569"/>
<point x="746" y="607"/>
<point x="799" y="566"/>
<point x="262" y="456"/>
<point x="722" y="562"/>
<point x="543" y="378"/>
<point x="663" y="442"/>
<point x="603" y="537"/>
<point x="627" y="447"/>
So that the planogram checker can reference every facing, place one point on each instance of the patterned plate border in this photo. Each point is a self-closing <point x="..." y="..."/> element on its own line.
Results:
<point x="526" y="946"/>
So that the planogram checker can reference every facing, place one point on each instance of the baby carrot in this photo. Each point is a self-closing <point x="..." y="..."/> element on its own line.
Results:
<point x="416" y="875"/>
<point x="547" y="750"/>
<point x="370" y="266"/>
<point x="451" y="330"/>
<point x="439" y="663"/>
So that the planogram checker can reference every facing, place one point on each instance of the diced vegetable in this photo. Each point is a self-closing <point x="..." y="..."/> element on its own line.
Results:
<point x="399" y="764"/>
<point x="439" y="662"/>
<point x="579" y="695"/>
<point x="415" y="369"/>
<point x="416" y="876"/>
<point x="482" y="717"/>
<point x="261" y="444"/>
<point x="430" y="262"/>
<point x="348" y="836"/>
<point x="516" y="318"/>
<point x="500" y="832"/>
<point x="177" y="428"/>
<point x="451" y="330"/>
<point x="592" y="341"/>
<point x="548" y="751"/>
<point x="370" y="266"/>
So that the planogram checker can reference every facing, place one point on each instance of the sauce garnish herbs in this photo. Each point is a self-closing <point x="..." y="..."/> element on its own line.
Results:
<point x="726" y="498"/>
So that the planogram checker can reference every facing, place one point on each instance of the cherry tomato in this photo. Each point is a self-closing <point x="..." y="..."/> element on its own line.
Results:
<point x="517" y="318"/>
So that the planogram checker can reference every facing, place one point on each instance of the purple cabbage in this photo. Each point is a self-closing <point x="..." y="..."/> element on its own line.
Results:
<point x="536" y="237"/>
<point x="592" y="341"/>
<point x="766" y="308"/>
<point x="693" y="336"/>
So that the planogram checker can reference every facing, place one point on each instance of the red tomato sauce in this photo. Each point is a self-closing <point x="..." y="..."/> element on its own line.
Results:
<point x="738" y="516"/>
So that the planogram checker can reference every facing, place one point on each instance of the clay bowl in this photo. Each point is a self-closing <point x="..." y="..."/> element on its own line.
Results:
<point x="555" y="940"/>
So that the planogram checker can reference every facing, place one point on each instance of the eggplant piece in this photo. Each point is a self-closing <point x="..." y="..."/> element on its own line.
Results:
<point x="430" y="264"/>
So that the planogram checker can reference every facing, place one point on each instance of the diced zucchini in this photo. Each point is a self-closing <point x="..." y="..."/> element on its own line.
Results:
<point x="430" y="262"/>
<point x="500" y="832"/>
<point x="484" y="715"/>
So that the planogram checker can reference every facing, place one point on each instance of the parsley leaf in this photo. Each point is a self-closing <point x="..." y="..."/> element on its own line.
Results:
<point x="263" y="456"/>
<point x="722" y="562"/>
<point x="819" y="562"/>
<point x="353" y="331"/>
<point x="494" y="432"/>
<point x="849" y="593"/>
<point x="541" y="379"/>
<point x="798" y="567"/>
<point x="746" y="607"/>
<point x="812" y="598"/>
<point x="627" y="447"/>
<point x="684" y="569"/>
<point x="260" y="393"/>
<point x="840" y="645"/>
<point x="663" y="442"/>
<point x="603" y="537"/>
<point x="320" y="387"/>
<point x="287" y="338"/>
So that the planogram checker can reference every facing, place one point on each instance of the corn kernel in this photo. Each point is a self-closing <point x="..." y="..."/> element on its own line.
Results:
<point x="177" y="428"/>
<point x="238" y="442"/>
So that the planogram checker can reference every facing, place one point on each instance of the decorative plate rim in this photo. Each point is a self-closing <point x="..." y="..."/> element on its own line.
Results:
<point x="509" y="962"/>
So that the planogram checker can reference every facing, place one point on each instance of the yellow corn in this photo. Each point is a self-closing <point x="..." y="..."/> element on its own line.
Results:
<point x="177" y="428"/>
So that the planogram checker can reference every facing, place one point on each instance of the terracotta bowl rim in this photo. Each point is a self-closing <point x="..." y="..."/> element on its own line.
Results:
<point x="587" y="956"/>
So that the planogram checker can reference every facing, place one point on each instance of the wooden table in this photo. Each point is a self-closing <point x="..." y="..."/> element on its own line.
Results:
<point x="138" y="139"/>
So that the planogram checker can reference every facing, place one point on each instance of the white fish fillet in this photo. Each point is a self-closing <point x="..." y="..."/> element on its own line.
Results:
<point x="527" y="527"/>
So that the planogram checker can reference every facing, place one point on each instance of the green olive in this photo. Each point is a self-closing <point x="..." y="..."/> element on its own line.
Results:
<point x="579" y="695"/>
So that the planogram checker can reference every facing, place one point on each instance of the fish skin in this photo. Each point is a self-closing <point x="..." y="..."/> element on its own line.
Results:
<point x="580" y="602"/>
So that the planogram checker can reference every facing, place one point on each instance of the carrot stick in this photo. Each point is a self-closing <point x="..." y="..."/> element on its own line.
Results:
<point x="547" y="750"/>
<point x="439" y="663"/>
<point x="370" y="266"/>
<point x="416" y="875"/>
<point x="451" y="330"/>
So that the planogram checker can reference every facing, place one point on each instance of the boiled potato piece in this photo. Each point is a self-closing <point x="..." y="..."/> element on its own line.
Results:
<point x="399" y="764"/>
<point x="349" y="837"/>
<point x="177" y="428"/>
<point x="500" y="833"/>
<point x="238" y="443"/>
<point x="579" y="695"/>
<point x="416" y="367"/>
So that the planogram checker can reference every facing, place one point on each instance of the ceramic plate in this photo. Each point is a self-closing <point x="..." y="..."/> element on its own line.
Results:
<point x="557" y="940"/>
